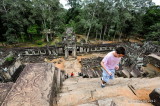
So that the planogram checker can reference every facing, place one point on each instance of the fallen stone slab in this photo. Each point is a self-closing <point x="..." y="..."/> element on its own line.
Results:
<point x="34" y="87"/>
<point x="125" y="73"/>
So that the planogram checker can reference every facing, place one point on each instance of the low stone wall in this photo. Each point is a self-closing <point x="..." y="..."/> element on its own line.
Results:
<point x="60" y="50"/>
<point x="37" y="85"/>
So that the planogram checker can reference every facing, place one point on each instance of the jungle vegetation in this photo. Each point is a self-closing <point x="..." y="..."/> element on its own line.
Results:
<point x="25" y="20"/>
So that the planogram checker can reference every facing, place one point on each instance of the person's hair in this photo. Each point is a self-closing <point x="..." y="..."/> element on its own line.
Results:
<point x="120" y="50"/>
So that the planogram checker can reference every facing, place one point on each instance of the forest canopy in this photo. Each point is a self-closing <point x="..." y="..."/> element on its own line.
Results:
<point x="24" y="20"/>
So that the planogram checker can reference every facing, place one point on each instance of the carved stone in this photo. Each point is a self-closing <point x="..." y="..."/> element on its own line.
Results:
<point x="33" y="87"/>
<point x="4" y="89"/>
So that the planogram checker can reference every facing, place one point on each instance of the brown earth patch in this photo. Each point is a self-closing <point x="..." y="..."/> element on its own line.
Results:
<point x="143" y="94"/>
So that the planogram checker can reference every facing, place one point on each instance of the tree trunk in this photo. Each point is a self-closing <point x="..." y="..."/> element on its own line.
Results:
<point x="30" y="37"/>
<point x="105" y="29"/>
<point x="3" y="44"/>
<point x="47" y="38"/>
<point x="120" y="36"/>
<point x="96" y="35"/>
<point x="88" y="33"/>
<point x="115" y="32"/>
<point x="51" y="36"/>
<point x="101" y="34"/>
<point x="114" y="36"/>
<point x="108" y="33"/>
<point x="91" y="24"/>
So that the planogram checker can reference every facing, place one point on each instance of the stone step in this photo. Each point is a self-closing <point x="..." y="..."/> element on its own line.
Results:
<point x="117" y="101"/>
<point x="78" y="90"/>
<point x="87" y="95"/>
<point x="82" y="84"/>
<point x="78" y="80"/>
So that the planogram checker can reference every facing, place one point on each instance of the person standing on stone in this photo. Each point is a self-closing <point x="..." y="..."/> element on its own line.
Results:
<point x="110" y="63"/>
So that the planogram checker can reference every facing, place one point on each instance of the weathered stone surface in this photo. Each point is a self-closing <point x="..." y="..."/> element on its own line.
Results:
<point x="87" y="91"/>
<point x="126" y="73"/>
<point x="33" y="87"/>
<point x="4" y="89"/>
<point x="89" y="104"/>
<point x="155" y="97"/>
<point x="91" y="67"/>
<point x="154" y="60"/>
<point x="106" y="102"/>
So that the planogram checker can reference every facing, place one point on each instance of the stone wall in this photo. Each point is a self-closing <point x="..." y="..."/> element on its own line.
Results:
<point x="60" y="50"/>
<point x="37" y="85"/>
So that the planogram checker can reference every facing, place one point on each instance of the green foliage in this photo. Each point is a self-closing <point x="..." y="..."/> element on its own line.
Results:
<point x="152" y="16"/>
<point x="33" y="30"/>
<point x="153" y="36"/>
<point x="11" y="58"/>
<point x="152" y="23"/>
<point x="23" y="20"/>
<point x="11" y="39"/>
<point x="71" y="24"/>
<point x="39" y="42"/>
<point x="156" y="42"/>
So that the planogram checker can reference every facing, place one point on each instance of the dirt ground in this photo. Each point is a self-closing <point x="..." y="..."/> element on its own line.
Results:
<point x="59" y="62"/>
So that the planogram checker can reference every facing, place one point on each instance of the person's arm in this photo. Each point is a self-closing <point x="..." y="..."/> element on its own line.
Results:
<point x="102" y="64"/>
<point x="117" y="67"/>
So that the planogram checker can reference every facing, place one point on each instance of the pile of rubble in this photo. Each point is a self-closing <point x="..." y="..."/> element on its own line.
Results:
<point x="91" y="67"/>
<point x="138" y="56"/>
<point x="132" y="65"/>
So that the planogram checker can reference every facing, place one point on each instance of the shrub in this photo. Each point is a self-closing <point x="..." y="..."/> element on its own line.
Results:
<point x="11" y="58"/>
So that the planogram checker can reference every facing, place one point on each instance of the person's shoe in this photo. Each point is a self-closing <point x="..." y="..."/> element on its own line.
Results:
<point x="102" y="78"/>
<point x="102" y="85"/>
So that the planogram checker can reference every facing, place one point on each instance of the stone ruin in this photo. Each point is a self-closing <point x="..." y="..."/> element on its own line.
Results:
<point x="138" y="56"/>
<point x="29" y="83"/>
<point x="69" y="42"/>
<point x="28" y="71"/>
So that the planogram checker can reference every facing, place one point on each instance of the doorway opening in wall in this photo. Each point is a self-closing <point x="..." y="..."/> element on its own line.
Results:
<point x="70" y="53"/>
<point x="78" y="50"/>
